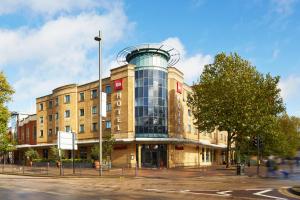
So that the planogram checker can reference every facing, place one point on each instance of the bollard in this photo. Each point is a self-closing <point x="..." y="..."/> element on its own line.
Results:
<point x="80" y="169"/>
<point x="48" y="168"/>
<point x="136" y="172"/>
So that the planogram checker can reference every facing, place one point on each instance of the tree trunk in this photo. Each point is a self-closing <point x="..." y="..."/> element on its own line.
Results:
<point x="228" y="150"/>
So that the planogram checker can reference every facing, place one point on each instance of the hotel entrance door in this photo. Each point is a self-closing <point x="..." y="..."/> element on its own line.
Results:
<point x="154" y="155"/>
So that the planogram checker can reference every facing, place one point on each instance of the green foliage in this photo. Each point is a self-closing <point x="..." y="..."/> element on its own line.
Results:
<point x="54" y="153"/>
<point x="107" y="148"/>
<point x="233" y="96"/>
<point x="31" y="154"/>
<point x="6" y="92"/>
<point x="288" y="137"/>
<point x="6" y="145"/>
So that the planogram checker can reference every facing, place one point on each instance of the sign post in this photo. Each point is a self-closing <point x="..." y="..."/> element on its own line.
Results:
<point x="66" y="141"/>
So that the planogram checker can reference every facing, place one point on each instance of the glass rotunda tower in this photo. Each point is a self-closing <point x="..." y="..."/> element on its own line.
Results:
<point x="151" y="87"/>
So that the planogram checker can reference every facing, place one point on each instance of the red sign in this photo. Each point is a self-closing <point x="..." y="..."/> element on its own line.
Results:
<point x="179" y="87"/>
<point x="118" y="84"/>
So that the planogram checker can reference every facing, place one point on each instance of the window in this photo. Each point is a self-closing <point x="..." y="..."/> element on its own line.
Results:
<point x="45" y="153"/>
<point x="67" y="98"/>
<point x="27" y="135"/>
<point x="108" y="89"/>
<point x="207" y="155"/>
<point x="34" y="132"/>
<point x="67" y="113"/>
<point x="81" y="112"/>
<point x="56" y="101"/>
<point x="83" y="152"/>
<point x="67" y="129"/>
<point x="41" y="120"/>
<point x="94" y="110"/>
<point x="81" y="96"/>
<point x="50" y="132"/>
<point x="41" y="106"/>
<point x="189" y="113"/>
<point x="108" y="107"/>
<point x="56" y="116"/>
<point x="50" y="118"/>
<point x="50" y="104"/>
<point x="94" y="126"/>
<point x="56" y="130"/>
<point x="203" y="155"/>
<point x="108" y="124"/>
<point x="189" y="128"/>
<point x="81" y="128"/>
<point x="94" y="94"/>
<point x="41" y="133"/>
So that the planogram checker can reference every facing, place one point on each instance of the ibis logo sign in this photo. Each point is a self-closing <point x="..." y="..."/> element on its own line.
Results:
<point x="179" y="88"/>
<point x="118" y="84"/>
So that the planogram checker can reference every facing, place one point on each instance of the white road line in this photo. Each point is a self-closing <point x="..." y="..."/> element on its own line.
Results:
<point x="225" y="193"/>
<point x="262" y="194"/>
<point x="260" y="189"/>
<point x="189" y="192"/>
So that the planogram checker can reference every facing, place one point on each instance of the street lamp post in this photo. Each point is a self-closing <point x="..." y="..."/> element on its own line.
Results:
<point x="98" y="39"/>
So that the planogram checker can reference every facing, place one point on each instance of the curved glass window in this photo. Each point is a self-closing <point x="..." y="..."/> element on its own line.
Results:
<point x="151" y="107"/>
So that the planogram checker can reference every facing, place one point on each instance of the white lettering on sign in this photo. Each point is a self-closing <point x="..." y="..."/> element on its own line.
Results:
<point x="118" y="110"/>
<point x="119" y="103"/>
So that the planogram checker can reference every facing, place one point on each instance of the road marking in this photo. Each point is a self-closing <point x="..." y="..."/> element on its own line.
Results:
<point x="262" y="194"/>
<point x="225" y="193"/>
<point x="284" y="191"/>
<point x="192" y="192"/>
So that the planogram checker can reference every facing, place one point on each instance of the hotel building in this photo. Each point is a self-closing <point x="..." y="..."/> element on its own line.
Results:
<point x="146" y="113"/>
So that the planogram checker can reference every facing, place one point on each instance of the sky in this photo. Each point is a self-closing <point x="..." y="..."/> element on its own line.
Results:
<point x="49" y="43"/>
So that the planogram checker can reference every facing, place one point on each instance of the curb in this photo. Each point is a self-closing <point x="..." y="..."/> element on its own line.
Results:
<point x="62" y="177"/>
<point x="295" y="190"/>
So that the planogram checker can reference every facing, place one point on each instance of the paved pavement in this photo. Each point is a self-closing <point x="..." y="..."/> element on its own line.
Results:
<point x="172" y="187"/>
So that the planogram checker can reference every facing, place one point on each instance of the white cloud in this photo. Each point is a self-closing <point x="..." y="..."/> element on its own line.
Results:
<point x="275" y="54"/>
<point x="290" y="88"/>
<point x="51" y="7"/>
<point x="283" y="7"/>
<point x="61" y="51"/>
<point x="191" y="65"/>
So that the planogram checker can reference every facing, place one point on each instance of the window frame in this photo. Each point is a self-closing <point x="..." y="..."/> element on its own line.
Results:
<point x="94" y="91"/>
<point x="67" y="113"/>
<point x="67" y="99"/>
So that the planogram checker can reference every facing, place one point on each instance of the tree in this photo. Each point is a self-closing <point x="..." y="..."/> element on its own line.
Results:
<point x="6" y="91"/>
<point x="231" y="95"/>
<point x="107" y="148"/>
<point x="31" y="154"/>
<point x="54" y="153"/>
<point x="288" y="136"/>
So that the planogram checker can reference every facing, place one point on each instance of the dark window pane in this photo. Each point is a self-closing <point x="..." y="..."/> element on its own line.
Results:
<point x="145" y="101"/>
<point x="145" y="73"/>
<point x="140" y="75"/>
<point x="155" y="129"/>
<point x="145" y="81"/>
<point x="145" y="111"/>
<point x="145" y="91"/>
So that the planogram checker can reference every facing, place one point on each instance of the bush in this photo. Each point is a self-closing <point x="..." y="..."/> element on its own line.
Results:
<point x="31" y="154"/>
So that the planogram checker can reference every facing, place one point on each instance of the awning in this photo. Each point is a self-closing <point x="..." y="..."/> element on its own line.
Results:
<point x="128" y="140"/>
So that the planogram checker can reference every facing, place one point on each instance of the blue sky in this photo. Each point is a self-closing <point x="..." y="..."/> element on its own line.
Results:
<point x="44" y="44"/>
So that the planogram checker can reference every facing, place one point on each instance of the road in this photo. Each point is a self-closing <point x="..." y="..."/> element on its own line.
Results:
<point x="216" y="187"/>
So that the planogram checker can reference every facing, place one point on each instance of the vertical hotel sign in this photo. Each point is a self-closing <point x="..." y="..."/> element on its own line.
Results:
<point x="118" y="87"/>
<point x="179" y="92"/>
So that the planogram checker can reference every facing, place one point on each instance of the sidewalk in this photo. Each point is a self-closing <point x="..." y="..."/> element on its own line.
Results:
<point x="173" y="173"/>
